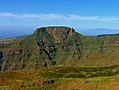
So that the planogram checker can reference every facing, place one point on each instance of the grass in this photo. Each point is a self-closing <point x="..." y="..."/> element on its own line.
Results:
<point x="70" y="72"/>
<point x="61" y="78"/>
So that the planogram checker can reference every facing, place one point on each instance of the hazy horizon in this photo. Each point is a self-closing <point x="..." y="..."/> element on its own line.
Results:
<point x="23" y="17"/>
<point x="21" y="31"/>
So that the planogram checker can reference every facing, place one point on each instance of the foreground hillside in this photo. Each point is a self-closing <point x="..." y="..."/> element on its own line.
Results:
<point x="61" y="78"/>
<point x="58" y="46"/>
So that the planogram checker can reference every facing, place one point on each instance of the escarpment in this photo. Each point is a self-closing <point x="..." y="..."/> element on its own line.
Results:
<point x="58" y="43"/>
<point x="48" y="46"/>
<point x="58" y="46"/>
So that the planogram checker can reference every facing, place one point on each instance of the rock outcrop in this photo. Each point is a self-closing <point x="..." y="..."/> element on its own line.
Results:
<point x="46" y="47"/>
<point x="49" y="46"/>
<point x="1" y="61"/>
<point x="59" y="42"/>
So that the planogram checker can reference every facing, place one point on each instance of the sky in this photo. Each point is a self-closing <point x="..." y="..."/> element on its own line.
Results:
<point x="19" y="17"/>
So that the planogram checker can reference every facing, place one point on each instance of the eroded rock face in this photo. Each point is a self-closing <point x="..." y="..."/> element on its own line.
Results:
<point x="57" y="41"/>
<point x="50" y="46"/>
<point x="1" y="61"/>
<point x="1" y="55"/>
<point x="59" y="34"/>
<point x="46" y="47"/>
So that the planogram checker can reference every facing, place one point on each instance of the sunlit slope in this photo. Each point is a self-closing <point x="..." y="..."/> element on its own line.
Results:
<point x="58" y="46"/>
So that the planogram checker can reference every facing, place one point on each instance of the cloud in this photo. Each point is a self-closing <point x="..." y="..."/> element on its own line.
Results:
<point x="94" y="18"/>
<point x="32" y="16"/>
<point x="59" y="17"/>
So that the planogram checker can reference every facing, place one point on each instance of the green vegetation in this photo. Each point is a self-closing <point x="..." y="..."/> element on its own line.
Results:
<point x="56" y="78"/>
<point x="58" y="46"/>
<point x="70" y="72"/>
<point x="58" y="58"/>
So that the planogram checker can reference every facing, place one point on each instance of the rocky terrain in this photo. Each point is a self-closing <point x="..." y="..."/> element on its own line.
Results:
<point x="58" y="46"/>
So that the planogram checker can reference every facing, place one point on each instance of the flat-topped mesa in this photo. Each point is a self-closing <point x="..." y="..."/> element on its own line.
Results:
<point x="59" y="33"/>
<point x="60" y="30"/>
<point x="54" y="42"/>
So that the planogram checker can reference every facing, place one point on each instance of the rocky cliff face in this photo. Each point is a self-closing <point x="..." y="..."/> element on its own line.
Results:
<point x="46" y="47"/>
<point x="1" y="56"/>
<point x="50" y="46"/>
<point x="59" y="42"/>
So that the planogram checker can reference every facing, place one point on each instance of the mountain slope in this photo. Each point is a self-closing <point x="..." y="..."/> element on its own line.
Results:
<point x="46" y="47"/>
<point x="55" y="46"/>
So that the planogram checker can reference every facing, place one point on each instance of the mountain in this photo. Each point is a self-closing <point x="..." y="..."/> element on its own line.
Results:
<point x="98" y="31"/>
<point x="58" y="46"/>
<point x="16" y="31"/>
<point x="109" y="35"/>
<point x="13" y="31"/>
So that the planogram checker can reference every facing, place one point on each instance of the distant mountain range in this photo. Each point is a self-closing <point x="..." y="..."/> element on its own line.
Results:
<point x="98" y="31"/>
<point x="21" y="31"/>
<point x="16" y="31"/>
<point x="10" y="32"/>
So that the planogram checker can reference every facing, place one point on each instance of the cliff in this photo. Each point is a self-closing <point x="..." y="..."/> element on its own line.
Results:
<point x="56" y="46"/>
<point x="46" y="47"/>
